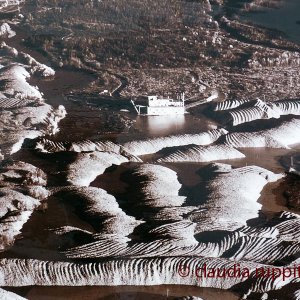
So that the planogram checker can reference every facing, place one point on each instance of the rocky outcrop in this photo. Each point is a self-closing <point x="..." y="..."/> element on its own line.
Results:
<point x="16" y="209"/>
<point x="36" y="68"/>
<point x="5" y="30"/>
<point x="24" y="114"/>
<point x="21" y="189"/>
<point x="16" y="173"/>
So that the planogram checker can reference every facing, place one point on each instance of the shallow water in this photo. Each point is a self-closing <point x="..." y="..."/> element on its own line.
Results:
<point x="285" y="18"/>
<point x="123" y="292"/>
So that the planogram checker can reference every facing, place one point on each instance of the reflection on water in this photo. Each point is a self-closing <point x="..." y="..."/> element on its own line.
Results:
<point x="161" y="125"/>
<point x="166" y="125"/>
<point x="158" y="126"/>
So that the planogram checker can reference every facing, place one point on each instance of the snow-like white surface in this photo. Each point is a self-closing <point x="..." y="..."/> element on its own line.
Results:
<point x="159" y="186"/>
<point x="6" y="295"/>
<point x="6" y="31"/>
<point x="153" y="145"/>
<point x="287" y="107"/>
<point x="88" y="166"/>
<point x="96" y="204"/>
<point x="22" y="207"/>
<point x="154" y="271"/>
<point x="232" y="196"/>
<point x="16" y="85"/>
<point x="202" y="154"/>
<point x="36" y="67"/>
<point x="241" y="111"/>
<point x="281" y="136"/>
<point x="20" y="173"/>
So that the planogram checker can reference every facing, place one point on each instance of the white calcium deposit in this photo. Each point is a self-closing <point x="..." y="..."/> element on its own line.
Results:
<point x="36" y="67"/>
<point x="6" y="295"/>
<point x="88" y="166"/>
<point x="159" y="186"/>
<point x="24" y="113"/>
<point x="241" y="111"/>
<point x="6" y="31"/>
<point x="16" y="85"/>
<point x="155" y="271"/>
<point x="232" y="196"/>
<point x="287" y="107"/>
<point x="16" y="208"/>
<point x="202" y="154"/>
<point x="154" y="145"/>
<point x="19" y="181"/>
<point x="282" y="136"/>
<point x="96" y="204"/>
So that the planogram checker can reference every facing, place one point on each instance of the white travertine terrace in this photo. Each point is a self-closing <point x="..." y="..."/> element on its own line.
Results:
<point x="88" y="166"/>
<point x="20" y="190"/>
<point x="203" y="154"/>
<point x="242" y="111"/>
<point x="5" y="30"/>
<point x="96" y="204"/>
<point x="231" y="200"/>
<point x="154" y="145"/>
<point x="155" y="271"/>
<point x="282" y="136"/>
<point x="24" y="114"/>
<point x="6" y="295"/>
<point x="11" y="223"/>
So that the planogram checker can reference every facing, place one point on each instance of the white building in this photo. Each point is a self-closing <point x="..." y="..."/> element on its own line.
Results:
<point x="161" y="106"/>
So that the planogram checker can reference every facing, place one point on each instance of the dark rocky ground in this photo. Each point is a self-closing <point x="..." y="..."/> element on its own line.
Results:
<point x="164" y="47"/>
